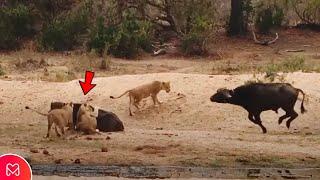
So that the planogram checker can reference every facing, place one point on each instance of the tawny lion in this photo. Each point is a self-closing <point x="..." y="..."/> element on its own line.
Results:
<point x="144" y="91"/>
<point x="60" y="117"/>
<point x="86" y="122"/>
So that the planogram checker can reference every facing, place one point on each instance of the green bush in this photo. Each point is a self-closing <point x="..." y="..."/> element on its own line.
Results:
<point x="15" y="23"/>
<point x="99" y="36"/>
<point x="63" y="33"/>
<point x="131" y="36"/>
<point x="268" y="17"/>
<point x="124" y="40"/>
<point x="194" y="42"/>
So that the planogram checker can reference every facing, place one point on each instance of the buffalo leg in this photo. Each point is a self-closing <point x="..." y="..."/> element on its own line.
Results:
<point x="258" y="121"/>
<point x="293" y="116"/>
<point x="250" y="116"/>
<point x="283" y="118"/>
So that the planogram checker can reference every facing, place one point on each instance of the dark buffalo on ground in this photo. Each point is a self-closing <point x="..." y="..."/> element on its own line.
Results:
<point x="259" y="97"/>
<point x="106" y="121"/>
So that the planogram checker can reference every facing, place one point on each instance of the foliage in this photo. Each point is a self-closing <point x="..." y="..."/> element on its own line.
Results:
<point x="15" y="23"/>
<point x="48" y="10"/>
<point x="193" y="42"/>
<point x="122" y="40"/>
<point x="196" y="26"/>
<point x="307" y="10"/>
<point x="63" y="33"/>
<point x="268" y="16"/>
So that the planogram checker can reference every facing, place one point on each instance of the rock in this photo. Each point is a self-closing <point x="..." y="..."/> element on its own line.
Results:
<point x="45" y="152"/>
<point x="138" y="148"/>
<point x="77" y="161"/>
<point x="34" y="150"/>
<point x="308" y="133"/>
<point x="159" y="128"/>
<point x="108" y="138"/>
<point x="58" y="161"/>
<point x="104" y="149"/>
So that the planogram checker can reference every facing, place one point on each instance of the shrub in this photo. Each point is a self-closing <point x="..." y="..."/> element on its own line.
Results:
<point x="63" y="34"/>
<point x="124" y="40"/>
<point x="268" y="17"/>
<point x="194" y="42"/>
<point x="307" y="10"/>
<point x="15" y="23"/>
<point x="99" y="36"/>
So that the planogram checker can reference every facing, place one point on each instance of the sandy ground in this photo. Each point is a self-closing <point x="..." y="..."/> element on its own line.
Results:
<point x="187" y="129"/>
<point x="78" y="178"/>
<point x="91" y="178"/>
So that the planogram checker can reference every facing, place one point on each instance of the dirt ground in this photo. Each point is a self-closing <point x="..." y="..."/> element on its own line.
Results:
<point x="186" y="130"/>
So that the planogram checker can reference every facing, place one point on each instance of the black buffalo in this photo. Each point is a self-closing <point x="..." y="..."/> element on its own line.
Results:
<point x="259" y="97"/>
<point x="106" y="121"/>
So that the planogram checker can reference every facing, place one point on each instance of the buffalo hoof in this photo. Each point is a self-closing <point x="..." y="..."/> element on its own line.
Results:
<point x="288" y="125"/>
<point x="264" y="130"/>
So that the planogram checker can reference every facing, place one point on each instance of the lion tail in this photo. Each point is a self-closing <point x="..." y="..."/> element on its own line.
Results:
<point x="43" y="114"/>
<point x="112" y="97"/>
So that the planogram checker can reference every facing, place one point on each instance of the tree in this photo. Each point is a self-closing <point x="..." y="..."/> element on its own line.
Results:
<point x="240" y="11"/>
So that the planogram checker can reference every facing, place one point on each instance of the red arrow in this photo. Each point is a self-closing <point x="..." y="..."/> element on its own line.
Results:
<point x="86" y="85"/>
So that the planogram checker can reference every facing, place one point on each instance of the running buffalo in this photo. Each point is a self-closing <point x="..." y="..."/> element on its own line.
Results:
<point x="259" y="97"/>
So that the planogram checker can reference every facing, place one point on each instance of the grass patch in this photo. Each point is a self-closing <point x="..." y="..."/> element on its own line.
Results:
<point x="271" y="69"/>
<point x="228" y="67"/>
<point x="292" y="64"/>
<point x="275" y="72"/>
<point x="218" y="162"/>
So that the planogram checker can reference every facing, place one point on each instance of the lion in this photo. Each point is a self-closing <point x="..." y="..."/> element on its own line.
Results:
<point x="144" y="91"/>
<point x="60" y="117"/>
<point x="87" y="123"/>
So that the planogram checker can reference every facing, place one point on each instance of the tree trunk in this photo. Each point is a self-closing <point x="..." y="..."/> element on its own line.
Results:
<point x="237" y="24"/>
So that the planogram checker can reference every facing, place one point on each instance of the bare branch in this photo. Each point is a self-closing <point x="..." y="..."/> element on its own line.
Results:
<point x="266" y="42"/>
